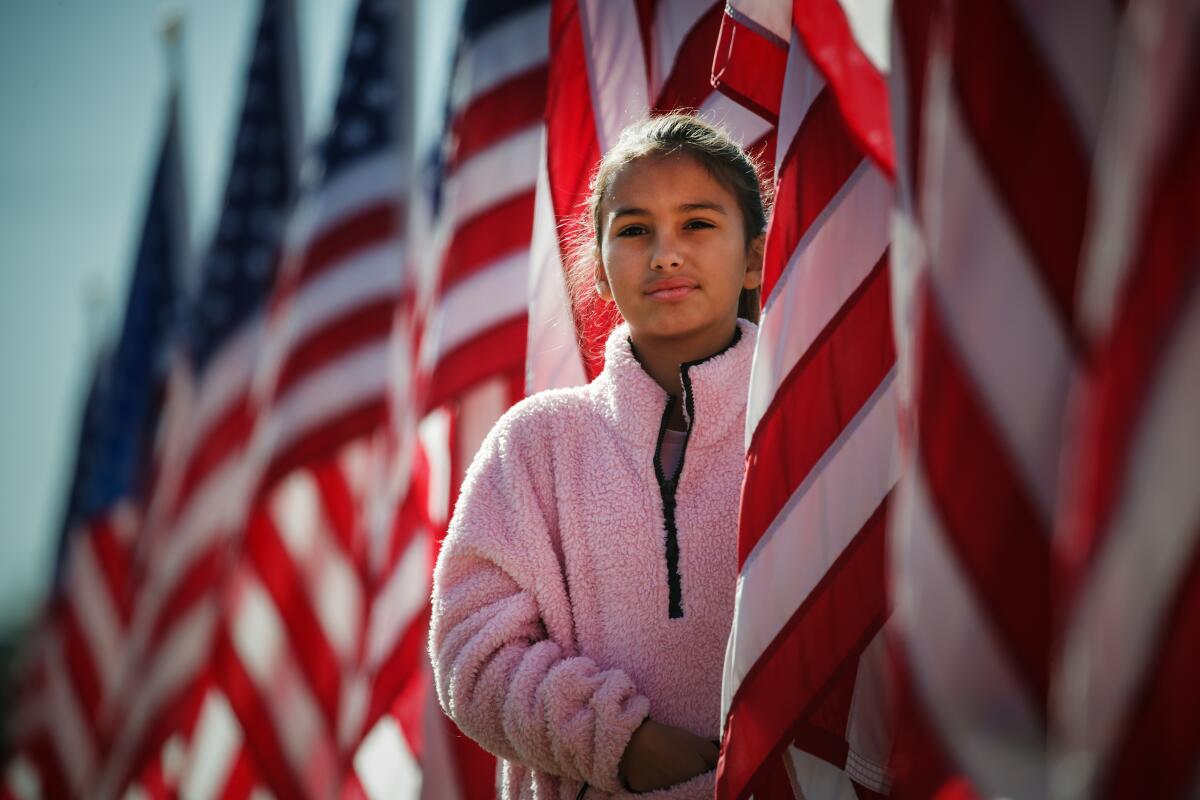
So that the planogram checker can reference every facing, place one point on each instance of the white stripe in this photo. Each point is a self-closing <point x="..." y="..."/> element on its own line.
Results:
<point x="404" y="594"/>
<point x="21" y="778"/>
<point x="822" y="517"/>
<point x="960" y="672"/>
<point x="1076" y="40"/>
<point x="385" y="764"/>
<point x="870" y="729"/>
<point x="434" y="432"/>
<point x="92" y="601"/>
<point x="741" y="123"/>
<point x="335" y="592"/>
<point x="1124" y="607"/>
<point x="343" y="384"/>
<point x="377" y="179"/>
<point x="477" y="304"/>
<point x="503" y="170"/>
<point x="869" y="24"/>
<point x="616" y="67"/>
<point x="815" y="777"/>
<point x="67" y="724"/>
<point x="996" y="310"/>
<point x="552" y="358"/>
<point x="673" y="19"/>
<point x="836" y="255"/>
<point x="513" y="47"/>
<point x="225" y="379"/>
<point x="205" y="520"/>
<point x="215" y="745"/>
<point x="259" y="639"/>
<point x="774" y="16"/>
<point x="175" y="662"/>
<point x="367" y="276"/>
<point x="801" y="85"/>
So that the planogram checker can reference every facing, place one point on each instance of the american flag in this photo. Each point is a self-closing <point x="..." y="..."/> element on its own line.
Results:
<point x="1129" y="654"/>
<point x="79" y="646"/>
<point x="199" y="496"/>
<point x="804" y="697"/>
<point x="1003" y="128"/>
<point x="290" y="651"/>
<point x="472" y="351"/>
<point x="610" y="65"/>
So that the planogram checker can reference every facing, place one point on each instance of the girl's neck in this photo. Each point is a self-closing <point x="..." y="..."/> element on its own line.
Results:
<point x="662" y="359"/>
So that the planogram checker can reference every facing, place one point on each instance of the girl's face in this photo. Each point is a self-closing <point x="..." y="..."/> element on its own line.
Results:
<point x="673" y="251"/>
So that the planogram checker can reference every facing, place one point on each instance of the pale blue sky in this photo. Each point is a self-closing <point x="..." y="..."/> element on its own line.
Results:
<point x="82" y="86"/>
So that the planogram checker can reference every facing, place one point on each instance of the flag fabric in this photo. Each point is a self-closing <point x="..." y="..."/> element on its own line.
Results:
<point x="611" y="64"/>
<point x="1002" y="128"/>
<point x="199" y="496"/>
<point x="474" y="318"/>
<point x="1130" y="522"/>
<point x="804" y="701"/>
<point x="294" y="629"/>
<point x="83" y="633"/>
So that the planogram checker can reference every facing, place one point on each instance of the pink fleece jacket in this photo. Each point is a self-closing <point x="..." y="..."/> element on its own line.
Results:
<point x="577" y="591"/>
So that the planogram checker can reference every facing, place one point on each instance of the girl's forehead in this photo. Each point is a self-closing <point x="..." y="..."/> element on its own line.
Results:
<point x="661" y="176"/>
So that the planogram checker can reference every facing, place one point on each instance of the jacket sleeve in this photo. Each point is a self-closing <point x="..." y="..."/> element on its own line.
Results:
<point x="502" y="636"/>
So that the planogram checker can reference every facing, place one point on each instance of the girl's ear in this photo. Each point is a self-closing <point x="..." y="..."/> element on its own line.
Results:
<point x="602" y="287"/>
<point x="754" y="263"/>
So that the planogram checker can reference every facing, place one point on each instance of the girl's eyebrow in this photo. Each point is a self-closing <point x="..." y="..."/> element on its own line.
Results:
<point x="700" y="205"/>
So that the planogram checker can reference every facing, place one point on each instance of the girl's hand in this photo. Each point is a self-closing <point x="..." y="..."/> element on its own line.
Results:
<point x="659" y="756"/>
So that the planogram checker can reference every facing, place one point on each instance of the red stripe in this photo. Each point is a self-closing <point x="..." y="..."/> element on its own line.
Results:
<point x="493" y="352"/>
<point x="367" y="227"/>
<point x="194" y="585"/>
<point x="861" y="91"/>
<point x="112" y="557"/>
<point x="1020" y="125"/>
<point x="988" y="519"/>
<point x="690" y="81"/>
<point x="514" y="105"/>
<point x="1161" y="284"/>
<point x="819" y="161"/>
<point x="1160" y="743"/>
<point x="252" y="712"/>
<point x="323" y="439"/>
<point x="815" y="402"/>
<point x="51" y="772"/>
<point x="340" y="508"/>
<point x="749" y="68"/>
<point x="357" y="327"/>
<point x="912" y="24"/>
<point x="824" y="637"/>
<point x="572" y="152"/>
<point x="226" y="436"/>
<point x="403" y="664"/>
<point x="81" y="669"/>
<point x="489" y="235"/>
<point x="309" y="647"/>
<point x="242" y="779"/>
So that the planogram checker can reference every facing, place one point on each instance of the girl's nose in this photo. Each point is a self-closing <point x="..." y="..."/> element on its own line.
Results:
<point x="666" y="254"/>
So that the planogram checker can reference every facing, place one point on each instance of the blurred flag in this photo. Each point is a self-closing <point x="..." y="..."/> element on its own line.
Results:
<point x="611" y="64"/>
<point x="472" y="349"/>
<point x="804" y="703"/>
<point x="60" y="720"/>
<point x="1123" y="688"/>
<point x="200" y="497"/>
<point x="290" y="651"/>
<point x="1002" y="128"/>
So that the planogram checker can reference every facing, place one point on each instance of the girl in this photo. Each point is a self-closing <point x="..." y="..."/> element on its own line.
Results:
<point x="584" y="593"/>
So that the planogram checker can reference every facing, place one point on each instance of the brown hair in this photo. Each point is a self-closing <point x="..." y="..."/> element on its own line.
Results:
<point x="678" y="132"/>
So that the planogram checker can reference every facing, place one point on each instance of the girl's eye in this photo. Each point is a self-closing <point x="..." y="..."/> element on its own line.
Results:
<point x="632" y="230"/>
<point x="698" y="223"/>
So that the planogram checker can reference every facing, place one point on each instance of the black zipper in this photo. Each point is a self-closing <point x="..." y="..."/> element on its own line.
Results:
<point x="667" y="487"/>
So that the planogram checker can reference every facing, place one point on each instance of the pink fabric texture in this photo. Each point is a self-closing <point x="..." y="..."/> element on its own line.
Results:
<point x="551" y="637"/>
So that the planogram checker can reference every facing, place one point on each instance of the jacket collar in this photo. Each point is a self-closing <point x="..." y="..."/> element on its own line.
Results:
<point x="717" y="385"/>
